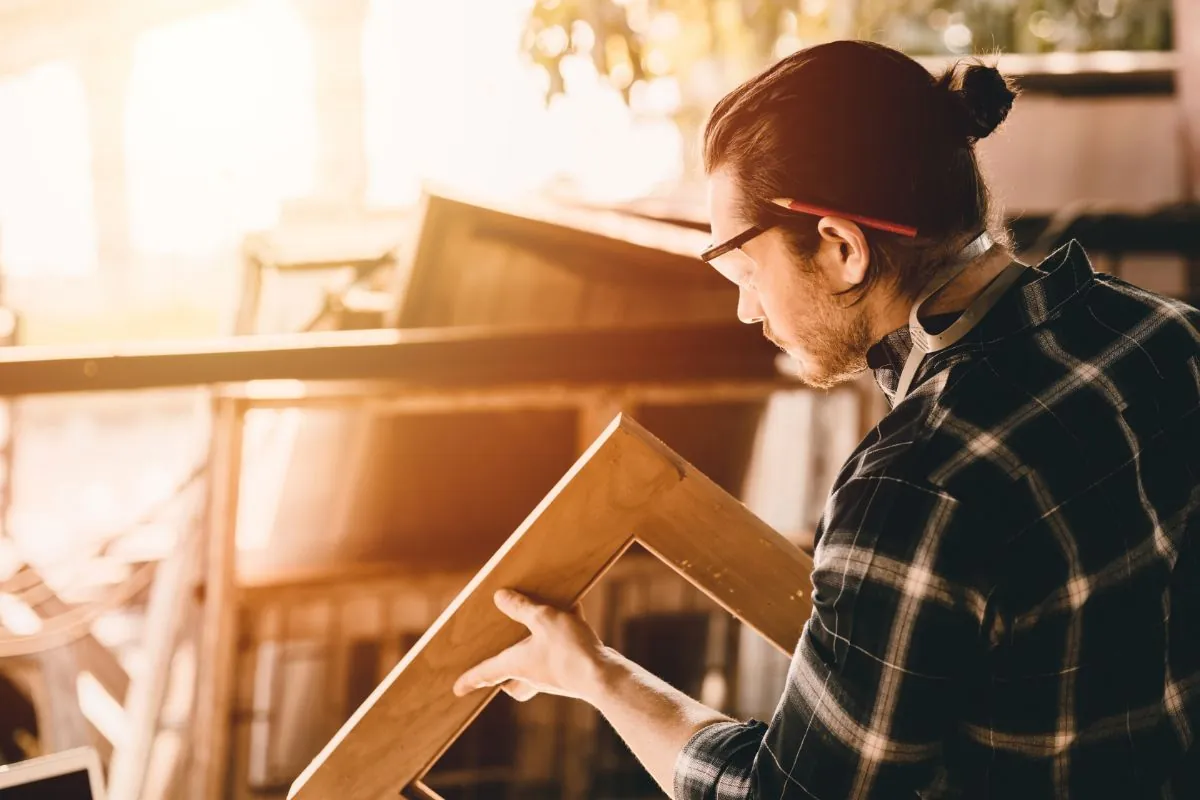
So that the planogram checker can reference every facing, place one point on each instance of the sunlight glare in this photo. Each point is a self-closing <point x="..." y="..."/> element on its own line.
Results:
<point x="451" y="100"/>
<point x="221" y="126"/>
<point x="47" y="223"/>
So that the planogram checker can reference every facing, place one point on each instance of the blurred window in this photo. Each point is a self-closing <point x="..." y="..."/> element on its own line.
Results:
<point x="221" y="127"/>
<point x="47" y="224"/>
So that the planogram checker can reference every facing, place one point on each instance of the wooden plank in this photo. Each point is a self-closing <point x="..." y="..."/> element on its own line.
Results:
<point x="739" y="561"/>
<point x="436" y="358"/>
<point x="378" y="398"/>
<point x="168" y="774"/>
<point x="617" y="237"/>
<point x="219" y="621"/>
<point x="424" y="246"/>
<point x="627" y="484"/>
<point x="597" y="245"/>
<point x="597" y="502"/>
<point x="164" y="620"/>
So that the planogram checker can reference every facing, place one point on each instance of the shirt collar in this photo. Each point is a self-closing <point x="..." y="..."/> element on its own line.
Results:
<point x="1033" y="301"/>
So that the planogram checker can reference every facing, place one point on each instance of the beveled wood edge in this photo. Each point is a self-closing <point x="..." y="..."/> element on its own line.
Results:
<point x="623" y="423"/>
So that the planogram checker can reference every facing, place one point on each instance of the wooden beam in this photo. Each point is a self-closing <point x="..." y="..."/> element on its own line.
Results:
<point x="628" y="486"/>
<point x="380" y="398"/>
<point x="219" y="622"/>
<point x="430" y="358"/>
<point x="729" y="554"/>
<point x="164" y="620"/>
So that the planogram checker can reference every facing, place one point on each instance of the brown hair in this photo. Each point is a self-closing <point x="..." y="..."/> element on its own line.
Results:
<point x="864" y="129"/>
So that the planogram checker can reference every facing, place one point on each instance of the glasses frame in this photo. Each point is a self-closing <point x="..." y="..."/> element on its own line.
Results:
<point x="718" y="250"/>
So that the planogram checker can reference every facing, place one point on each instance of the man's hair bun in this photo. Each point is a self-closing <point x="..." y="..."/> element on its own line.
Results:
<point x="980" y="99"/>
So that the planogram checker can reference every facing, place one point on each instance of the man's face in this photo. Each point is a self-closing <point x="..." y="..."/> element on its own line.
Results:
<point x="793" y="298"/>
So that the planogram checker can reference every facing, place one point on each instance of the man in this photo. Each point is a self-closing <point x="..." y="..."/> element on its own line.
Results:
<point x="1007" y="576"/>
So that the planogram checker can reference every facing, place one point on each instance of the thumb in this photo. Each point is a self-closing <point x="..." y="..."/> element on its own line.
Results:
<point x="516" y="606"/>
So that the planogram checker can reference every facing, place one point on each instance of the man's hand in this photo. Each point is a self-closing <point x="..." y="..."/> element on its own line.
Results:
<point x="562" y="654"/>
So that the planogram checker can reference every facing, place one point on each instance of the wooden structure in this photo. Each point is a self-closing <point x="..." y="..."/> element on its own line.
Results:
<point x="633" y="324"/>
<point x="441" y="360"/>
<point x="403" y="455"/>
<point x="627" y="487"/>
<point x="607" y="293"/>
<point x="490" y="265"/>
<point x="345" y="630"/>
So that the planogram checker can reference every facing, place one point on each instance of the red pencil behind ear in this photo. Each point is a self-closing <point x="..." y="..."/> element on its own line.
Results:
<point x="870" y="222"/>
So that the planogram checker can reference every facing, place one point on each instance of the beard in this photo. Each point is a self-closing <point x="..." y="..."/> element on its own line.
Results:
<point x="829" y="345"/>
<point x="833" y="357"/>
<point x="770" y="336"/>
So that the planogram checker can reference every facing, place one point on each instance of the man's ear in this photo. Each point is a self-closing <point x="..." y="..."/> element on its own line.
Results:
<point x="847" y="246"/>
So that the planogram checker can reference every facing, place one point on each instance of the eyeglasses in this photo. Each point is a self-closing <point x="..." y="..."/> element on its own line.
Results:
<point x="728" y="258"/>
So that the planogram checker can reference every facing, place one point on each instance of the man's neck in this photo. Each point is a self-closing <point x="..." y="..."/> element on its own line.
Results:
<point x="955" y="296"/>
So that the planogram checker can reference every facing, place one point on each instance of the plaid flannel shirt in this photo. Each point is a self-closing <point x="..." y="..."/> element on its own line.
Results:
<point x="1006" y="588"/>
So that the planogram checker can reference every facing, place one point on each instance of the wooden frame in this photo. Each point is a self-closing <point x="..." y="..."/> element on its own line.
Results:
<point x="627" y="487"/>
<point x="218" y="646"/>
<point x="607" y="245"/>
<point x="440" y="359"/>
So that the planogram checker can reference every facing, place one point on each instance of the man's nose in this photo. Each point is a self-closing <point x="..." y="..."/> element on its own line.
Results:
<point x="749" y="310"/>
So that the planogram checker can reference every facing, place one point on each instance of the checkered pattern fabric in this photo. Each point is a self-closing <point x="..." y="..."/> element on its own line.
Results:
<point x="1007" y="575"/>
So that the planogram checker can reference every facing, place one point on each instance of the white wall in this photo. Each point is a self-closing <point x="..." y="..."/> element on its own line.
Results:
<point x="1053" y="151"/>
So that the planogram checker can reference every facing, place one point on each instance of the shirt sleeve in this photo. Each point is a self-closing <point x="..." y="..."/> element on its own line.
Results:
<point x="869" y="696"/>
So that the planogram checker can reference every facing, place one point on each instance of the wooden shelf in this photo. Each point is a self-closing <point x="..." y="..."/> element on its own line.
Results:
<point x="437" y="358"/>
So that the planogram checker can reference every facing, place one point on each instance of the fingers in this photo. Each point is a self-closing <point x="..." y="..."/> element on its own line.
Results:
<point x="519" y="690"/>
<point x="486" y="674"/>
<point x="519" y="607"/>
<point x="504" y="667"/>
<point x="494" y="670"/>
